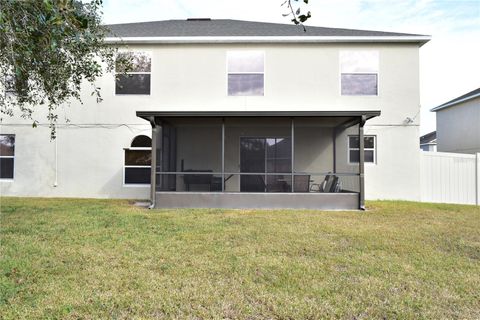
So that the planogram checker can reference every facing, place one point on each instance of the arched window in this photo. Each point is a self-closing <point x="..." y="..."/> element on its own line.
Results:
<point x="141" y="142"/>
<point x="138" y="160"/>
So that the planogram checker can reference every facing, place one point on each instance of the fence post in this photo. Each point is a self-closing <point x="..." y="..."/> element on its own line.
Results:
<point x="477" y="178"/>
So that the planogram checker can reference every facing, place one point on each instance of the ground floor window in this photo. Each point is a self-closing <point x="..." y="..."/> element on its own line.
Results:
<point x="138" y="158"/>
<point x="354" y="147"/>
<point x="7" y="156"/>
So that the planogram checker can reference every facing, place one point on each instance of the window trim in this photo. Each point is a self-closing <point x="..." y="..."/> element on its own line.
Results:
<point x="149" y="52"/>
<point x="340" y="73"/>
<point x="10" y="157"/>
<point x="240" y="73"/>
<point x="9" y="92"/>
<point x="374" y="149"/>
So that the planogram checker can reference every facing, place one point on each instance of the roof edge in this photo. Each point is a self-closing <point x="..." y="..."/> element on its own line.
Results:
<point x="268" y="39"/>
<point x="308" y="26"/>
<point x="452" y="103"/>
<point x="170" y="114"/>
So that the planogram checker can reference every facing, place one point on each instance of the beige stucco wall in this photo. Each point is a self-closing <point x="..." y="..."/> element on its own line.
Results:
<point x="458" y="127"/>
<point x="193" y="78"/>
<point x="89" y="162"/>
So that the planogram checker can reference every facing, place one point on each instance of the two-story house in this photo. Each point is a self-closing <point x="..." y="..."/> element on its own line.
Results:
<point x="225" y="113"/>
<point x="458" y="124"/>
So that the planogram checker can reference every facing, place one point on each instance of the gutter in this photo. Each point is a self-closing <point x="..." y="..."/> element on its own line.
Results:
<point x="450" y="104"/>
<point x="269" y="39"/>
<point x="148" y="115"/>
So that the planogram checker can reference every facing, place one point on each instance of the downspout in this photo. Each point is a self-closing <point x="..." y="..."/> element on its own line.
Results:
<point x="361" y="141"/>
<point x="153" y="170"/>
<point x="223" y="155"/>
<point x="292" y="141"/>
<point x="55" y="183"/>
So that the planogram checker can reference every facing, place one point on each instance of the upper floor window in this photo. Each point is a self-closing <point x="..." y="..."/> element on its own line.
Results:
<point x="369" y="149"/>
<point x="7" y="156"/>
<point x="137" y="80"/>
<point x="9" y="84"/>
<point x="138" y="160"/>
<point x="359" y="73"/>
<point x="246" y="74"/>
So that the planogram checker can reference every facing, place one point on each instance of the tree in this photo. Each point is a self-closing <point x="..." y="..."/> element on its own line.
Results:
<point x="48" y="48"/>
<point x="298" y="17"/>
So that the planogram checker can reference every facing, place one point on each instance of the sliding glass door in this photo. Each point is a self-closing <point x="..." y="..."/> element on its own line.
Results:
<point x="261" y="158"/>
<point x="252" y="160"/>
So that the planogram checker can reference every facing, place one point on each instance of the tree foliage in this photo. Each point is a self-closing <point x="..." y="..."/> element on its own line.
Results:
<point x="48" y="48"/>
<point x="298" y="16"/>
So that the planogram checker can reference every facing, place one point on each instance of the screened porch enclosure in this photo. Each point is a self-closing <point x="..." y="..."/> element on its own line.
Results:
<point x="223" y="158"/>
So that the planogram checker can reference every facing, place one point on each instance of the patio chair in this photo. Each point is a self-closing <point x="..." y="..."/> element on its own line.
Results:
<point x="334" y="184"/>
<point x="330" y="184"/>
<point x="326" y="184"/>
<point x="301" y="183"/>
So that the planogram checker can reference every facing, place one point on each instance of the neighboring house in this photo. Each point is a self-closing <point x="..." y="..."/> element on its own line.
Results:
<point x="428" y="142"/>
<point x="238" y="114"/>
<point x="458" y="124"/>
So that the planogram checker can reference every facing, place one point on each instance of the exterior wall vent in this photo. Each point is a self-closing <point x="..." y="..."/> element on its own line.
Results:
<point x="199" y="19"/>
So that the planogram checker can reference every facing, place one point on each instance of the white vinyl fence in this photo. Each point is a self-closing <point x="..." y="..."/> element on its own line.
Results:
<point x="450" y="177"/>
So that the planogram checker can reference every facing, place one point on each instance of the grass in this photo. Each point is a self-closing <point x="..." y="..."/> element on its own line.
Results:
<point x="90" y="259"/>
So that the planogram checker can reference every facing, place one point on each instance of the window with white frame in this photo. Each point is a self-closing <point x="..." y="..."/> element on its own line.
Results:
<point x="246" y="73"/>
<point x="7" y="156"/>
<point x="137" y="79"/>
<point x="9" y="84"/>
<point x="370" y="145"/>
<point x="138" y="160"/>
<point x="359" y="73"/>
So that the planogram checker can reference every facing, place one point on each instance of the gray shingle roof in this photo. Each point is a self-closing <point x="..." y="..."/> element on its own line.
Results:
<point x="429" y="137"/>
<point x="467" y="96"/>
<point x="235" y="28"/>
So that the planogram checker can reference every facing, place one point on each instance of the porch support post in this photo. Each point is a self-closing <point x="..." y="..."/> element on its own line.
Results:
<point x="223" y="154"/>
<point x="292" y="141"/>
<point x="361" y="164"/>
<point x="153" y="164"/>
<point x="334" y="135"/>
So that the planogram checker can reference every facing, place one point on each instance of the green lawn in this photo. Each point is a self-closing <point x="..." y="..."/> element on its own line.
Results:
<point x="95" y="259"/>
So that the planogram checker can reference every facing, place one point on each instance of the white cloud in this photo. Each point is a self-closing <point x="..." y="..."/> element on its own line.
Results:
<point x="449" y="63"/>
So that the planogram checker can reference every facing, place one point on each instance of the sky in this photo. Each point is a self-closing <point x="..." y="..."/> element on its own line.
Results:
<point x="449" y="63"/>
